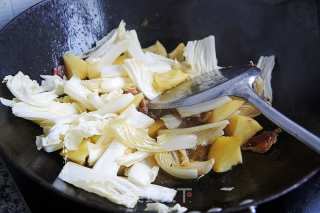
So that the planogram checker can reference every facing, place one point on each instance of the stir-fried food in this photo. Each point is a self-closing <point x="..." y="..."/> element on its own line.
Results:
<point x="94" y="113"/>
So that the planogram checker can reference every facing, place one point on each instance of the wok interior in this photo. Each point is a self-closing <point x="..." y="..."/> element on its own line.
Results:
<point x="35" y="42"/>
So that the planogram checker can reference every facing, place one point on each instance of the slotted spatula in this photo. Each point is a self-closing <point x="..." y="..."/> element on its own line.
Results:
<point x="232" y="82"/>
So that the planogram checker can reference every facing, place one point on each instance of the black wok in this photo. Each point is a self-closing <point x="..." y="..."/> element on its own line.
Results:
<point x="244" y="30"/>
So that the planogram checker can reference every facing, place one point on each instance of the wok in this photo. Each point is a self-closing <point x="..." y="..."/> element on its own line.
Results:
<point x="244" y="30"/>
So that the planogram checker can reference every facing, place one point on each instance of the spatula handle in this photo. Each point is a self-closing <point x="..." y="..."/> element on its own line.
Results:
<point x="283" y="122"/>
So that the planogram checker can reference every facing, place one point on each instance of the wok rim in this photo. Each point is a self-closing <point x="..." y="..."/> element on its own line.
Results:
<point x="45" y="184"/>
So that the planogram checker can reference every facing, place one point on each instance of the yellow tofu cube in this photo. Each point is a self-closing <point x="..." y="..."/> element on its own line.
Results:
<point x="157" y="48"/>
<point x="75" y="66"/>
<point x="226" y="153"/>
<point x="93" y="70"/>
<point x="177" y="53"/>
<point x="225" y="111"/>
<point x="243" y="127"/>
<point x="168" y="80"/>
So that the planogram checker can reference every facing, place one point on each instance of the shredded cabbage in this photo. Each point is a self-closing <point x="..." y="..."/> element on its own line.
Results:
<point x="132" y="158"/>
<point x="87" y="125"/>
<point x="112" y="71"/>
<point x="266" y="64"/>
<point x="205" y="133"/>
<point x="52" y="83"/>
<point x="95" y="151"/>
<point x="54" y="137"/>
<point x="107" y="164"/>
<point x="136" y="118"/>
<point x="171" y="121"/>
<point x="28" y="91"/>
<point x="139" y="139"/>
<point x="142" y="174"/>
<point x="78" y="92"/>
<point x="201" y="55"/>
<point x="117" y="189"/>
<point x="107" y="84"/>
<point x="162" y="208"/>
<point x="110" y="188"/>
<point x="168" y="80"/>
<point x="172" y="142"/>
<point x="106" y="43"/>
<point x="117" y="104"/>
<point x="167" y="162"/>
<point x="203" y="107"/>
<point x="141" y="77"/>
<point x="52" y="113"/>
<point x="7" y="102"/>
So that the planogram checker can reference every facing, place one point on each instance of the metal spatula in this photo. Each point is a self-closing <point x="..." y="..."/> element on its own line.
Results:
<point x="232" y="82"/>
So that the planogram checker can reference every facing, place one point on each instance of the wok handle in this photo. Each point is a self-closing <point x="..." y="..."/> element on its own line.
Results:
<point x="294" y="129"/>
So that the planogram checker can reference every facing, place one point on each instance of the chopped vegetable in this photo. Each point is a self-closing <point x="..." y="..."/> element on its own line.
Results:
<point x="110" y="188"/>
<point x="117" y="104"/>
<point x="132" y="158"/>
<point x="225" y="111"/>
<point x="171" y="142"/>
<point x="171" y="121"/>
<point x="243" y="127"/>
<point x="177" y="53"/>
<point x="95" y="150"/>
<point x="140" y="140"/>
<point x="205" y="133"/>
<point x="157" y="48"/>
<point x="226" y="152"/>
<point x="162" y="208"/>
<point x="98" y="116"/>
<point x="120" y="60"/>
<point x="201" y="55"/>
<point x="29" y="91"/>
<point x="141" y="77"/>
<point x="266" y="64"/>
<point x="78" y="156"/>
<point x="155" y="127"/>
<point x="52" y="83"/>
<point x="75" y="66"/>
<point x="53" y="113"/>
<point x="203" y="107"/>
<point x="196" y="169"/>
<point x="136" y="118"/>
<point x="116" y="189"/>
<point x="249" y="110"/>
<point x="167" y="80"/>
<point x="137" y="99"/>
<point x="107" y="164"/>
<point x="142" y="174"/>
<point x="78" y="92"/>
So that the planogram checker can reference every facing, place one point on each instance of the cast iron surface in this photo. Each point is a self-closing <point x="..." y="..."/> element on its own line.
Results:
<point x="11" y="200"/>
<point x="35" y="41"/>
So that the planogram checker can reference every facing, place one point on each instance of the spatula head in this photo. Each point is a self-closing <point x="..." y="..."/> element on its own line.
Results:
<point x="206" y="87"/>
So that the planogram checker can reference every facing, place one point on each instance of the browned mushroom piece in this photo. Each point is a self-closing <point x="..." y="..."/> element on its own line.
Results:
<point x="263" y="142"/>
<point x="132" y="90"/>
<point x="144" y="106"/>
